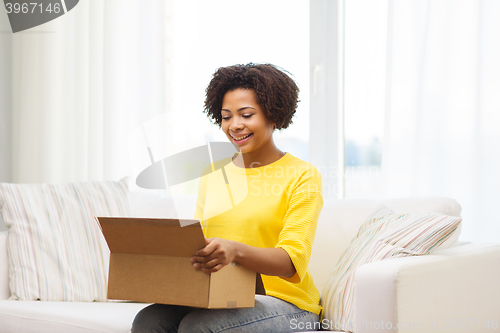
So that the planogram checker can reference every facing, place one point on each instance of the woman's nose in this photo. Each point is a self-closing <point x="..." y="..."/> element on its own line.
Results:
<point x="236" y="124"/>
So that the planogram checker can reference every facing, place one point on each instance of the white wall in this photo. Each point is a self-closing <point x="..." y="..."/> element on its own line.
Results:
<point x="5" y="102"/>
<point x="5" y="98"/>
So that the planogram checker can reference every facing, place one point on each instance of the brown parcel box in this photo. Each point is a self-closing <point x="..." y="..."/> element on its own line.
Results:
<point x="150" y="263"/>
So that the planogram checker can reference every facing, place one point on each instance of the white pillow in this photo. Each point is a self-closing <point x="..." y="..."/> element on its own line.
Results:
<point x="56" y="249"/>
<point x="384" y="235"/>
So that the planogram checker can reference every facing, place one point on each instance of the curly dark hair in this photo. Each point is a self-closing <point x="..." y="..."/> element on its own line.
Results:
<point x="277" y="93"/>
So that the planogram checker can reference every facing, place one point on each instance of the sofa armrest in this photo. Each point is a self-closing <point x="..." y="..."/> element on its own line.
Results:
<point x="4" y="267"/>
<point x="457" y="286"/>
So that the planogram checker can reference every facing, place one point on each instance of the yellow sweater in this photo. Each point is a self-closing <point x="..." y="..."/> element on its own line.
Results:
<point x="276" y="205"/>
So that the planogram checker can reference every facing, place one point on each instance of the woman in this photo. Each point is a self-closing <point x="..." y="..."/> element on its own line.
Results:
<point x="260" y="210"/>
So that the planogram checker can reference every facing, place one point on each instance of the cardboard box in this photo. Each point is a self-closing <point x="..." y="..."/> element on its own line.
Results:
<point x="150" y="262"/>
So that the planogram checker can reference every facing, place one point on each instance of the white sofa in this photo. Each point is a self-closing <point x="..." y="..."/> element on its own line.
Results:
<point x="459" y="283"/>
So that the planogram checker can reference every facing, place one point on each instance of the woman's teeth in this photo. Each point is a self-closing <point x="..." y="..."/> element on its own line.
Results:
<point x="241" y="137"/>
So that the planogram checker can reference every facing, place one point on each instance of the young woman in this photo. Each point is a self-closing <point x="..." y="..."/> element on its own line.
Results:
<point x="260" y="212"/>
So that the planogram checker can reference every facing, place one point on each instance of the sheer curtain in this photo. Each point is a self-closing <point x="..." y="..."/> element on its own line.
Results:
<point x="442" y="107"/>
<point x="94" y="88"/>
<point x="78" y="86"/>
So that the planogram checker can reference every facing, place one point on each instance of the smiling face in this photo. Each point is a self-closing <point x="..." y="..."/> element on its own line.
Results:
<point x="245" y="124"/>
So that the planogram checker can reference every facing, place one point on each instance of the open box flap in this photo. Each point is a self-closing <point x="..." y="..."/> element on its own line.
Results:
<point x="152" y="236"/>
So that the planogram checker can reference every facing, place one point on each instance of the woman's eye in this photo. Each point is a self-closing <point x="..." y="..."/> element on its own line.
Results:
<point x="225" y="118"/>
<point x="247" y="115"/>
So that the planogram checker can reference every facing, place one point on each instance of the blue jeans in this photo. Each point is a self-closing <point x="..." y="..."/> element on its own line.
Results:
<point x="270" y="314"/>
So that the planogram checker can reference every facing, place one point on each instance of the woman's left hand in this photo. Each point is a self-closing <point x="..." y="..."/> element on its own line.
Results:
<point x="217" y="254"/>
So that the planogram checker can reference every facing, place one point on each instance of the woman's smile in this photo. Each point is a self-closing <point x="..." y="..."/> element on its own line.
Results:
<point x="240" y="139"/>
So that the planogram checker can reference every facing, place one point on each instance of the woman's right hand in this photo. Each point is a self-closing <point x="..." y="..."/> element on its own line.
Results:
<point x="218" y="253"/>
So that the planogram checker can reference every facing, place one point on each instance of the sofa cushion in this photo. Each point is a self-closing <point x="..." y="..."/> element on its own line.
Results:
<point x="56" y="249"/>
<point x="383" y="236"/>
<point x="67" y="317"/>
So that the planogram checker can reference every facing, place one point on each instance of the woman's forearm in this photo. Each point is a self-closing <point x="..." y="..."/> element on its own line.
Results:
<point x="267" y="261"/>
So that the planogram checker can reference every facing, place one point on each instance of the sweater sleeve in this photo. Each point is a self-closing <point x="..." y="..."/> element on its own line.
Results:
<point x="301" y="218"/>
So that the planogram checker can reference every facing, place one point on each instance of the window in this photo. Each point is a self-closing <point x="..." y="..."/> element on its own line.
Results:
<point x="364" y="95"/>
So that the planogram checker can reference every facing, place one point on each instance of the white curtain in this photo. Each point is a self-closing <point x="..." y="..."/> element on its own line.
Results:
<point x="80" y="85"/>
<point x="442" y="117"/>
